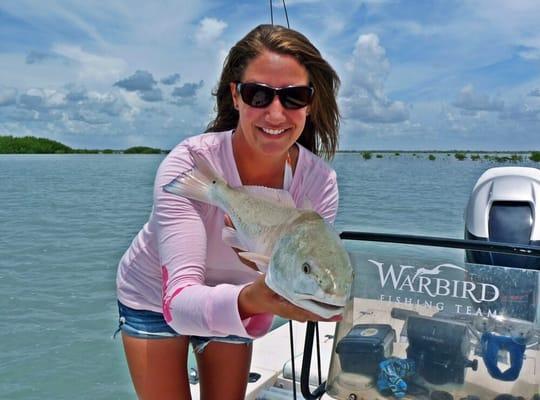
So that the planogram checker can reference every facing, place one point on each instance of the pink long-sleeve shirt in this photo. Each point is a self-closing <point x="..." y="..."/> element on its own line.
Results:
<point x="179" y="265"/>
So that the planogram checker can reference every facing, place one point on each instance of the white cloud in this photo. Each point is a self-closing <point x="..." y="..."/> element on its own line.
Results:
<point x="369" y="66"/>
<point x="209" y="30"/>
<point x="510" y="23"/>
<point x="470" y="100"/>
<point x="75" y="93"/>
<point x="88" y="116"/>
<point x="535" y="93"/>
<point x="530" y="54"/>
<point x="521" y="112"/>
<point x="187" y="89"/>
<point x="364" y="98"/>
<point x="43" y="99"/>
<point x="33" y="99"/>
<point x="531" y="46"/>
<point x="413" y="55"/>
<point x="171" y="79"/>
<point x="372" y="111"/>
<point x="92" y="66"/>
<point x="8" y="96"/>
<point x="110" y="103"/>
<point x="140" y="80"/>
<point x="37" y="57"/>
<point x="151" y="95"/>
<point x="21" y="114"/>
<point x="54" y="98"/>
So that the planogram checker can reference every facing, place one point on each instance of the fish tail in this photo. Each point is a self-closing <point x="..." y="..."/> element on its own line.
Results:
<point x="197" y="183"/>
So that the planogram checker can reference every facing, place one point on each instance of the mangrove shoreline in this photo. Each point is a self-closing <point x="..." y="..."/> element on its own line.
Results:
<point x="35" y="145"/>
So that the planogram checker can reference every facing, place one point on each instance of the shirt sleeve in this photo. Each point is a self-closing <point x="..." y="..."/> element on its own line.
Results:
<point x="189" y="306"/>
<point x="323" y="192"/>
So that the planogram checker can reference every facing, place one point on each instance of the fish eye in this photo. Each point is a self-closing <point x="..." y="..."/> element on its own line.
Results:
<point x="306" y="268"/>
<point x="213" y="182"/>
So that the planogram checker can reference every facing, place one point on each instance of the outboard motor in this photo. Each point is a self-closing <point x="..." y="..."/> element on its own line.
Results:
<point x="505" y="207"/>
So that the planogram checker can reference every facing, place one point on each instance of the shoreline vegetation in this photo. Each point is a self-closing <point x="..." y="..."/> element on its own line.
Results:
<point x="35" y="145"/>
<point x="498" y="156"/>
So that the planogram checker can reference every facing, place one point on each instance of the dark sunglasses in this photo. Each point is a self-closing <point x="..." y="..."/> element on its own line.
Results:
<point x="259" y="95"/>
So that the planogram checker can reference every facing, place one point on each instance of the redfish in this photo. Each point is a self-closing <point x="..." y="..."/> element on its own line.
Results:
<point x="302" y="255"/>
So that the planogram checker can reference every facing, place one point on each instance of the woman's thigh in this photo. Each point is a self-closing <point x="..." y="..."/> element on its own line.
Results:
<point x="158" y="367"/>
<point x="224" y="370"/>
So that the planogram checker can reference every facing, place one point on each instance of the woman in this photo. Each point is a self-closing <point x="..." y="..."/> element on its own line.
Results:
<point x="178" y="282"/>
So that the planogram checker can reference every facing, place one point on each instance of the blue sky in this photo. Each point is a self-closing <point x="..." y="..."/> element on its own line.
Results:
<point x="415" y="74"/>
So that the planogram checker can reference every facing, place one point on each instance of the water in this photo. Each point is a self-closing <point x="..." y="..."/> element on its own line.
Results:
<point x="67" y="219"/>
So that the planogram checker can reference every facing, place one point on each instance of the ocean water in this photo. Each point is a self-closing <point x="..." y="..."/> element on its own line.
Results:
<point x="65" y="221"/>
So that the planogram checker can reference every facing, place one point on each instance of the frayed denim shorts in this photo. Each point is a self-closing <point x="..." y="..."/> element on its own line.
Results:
<point x="152" y="325"/>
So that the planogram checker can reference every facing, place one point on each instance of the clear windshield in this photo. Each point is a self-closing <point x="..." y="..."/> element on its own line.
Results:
<point x="423" y="320"/>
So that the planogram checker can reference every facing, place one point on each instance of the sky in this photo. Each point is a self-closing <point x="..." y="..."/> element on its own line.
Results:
<point x="415" y="75"/>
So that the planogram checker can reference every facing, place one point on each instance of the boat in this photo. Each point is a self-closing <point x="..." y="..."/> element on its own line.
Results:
<point x="433" y="326"/>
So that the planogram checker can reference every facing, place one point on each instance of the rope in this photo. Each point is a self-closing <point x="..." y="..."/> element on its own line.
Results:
<point x="272" y="13"/>
<point x="286" y="15"/>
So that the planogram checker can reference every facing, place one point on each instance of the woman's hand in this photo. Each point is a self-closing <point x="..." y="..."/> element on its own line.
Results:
<point x="258" y="298"/>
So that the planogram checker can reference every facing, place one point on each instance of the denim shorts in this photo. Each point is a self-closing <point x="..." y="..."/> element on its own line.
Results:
<point x="152" y="325"/>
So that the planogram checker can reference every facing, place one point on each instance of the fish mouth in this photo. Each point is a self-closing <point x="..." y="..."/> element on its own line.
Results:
<point x="325" y="307"/>
<point x="320" y="303"/>
<point x="336" y="302"/>
<point x="324" y="310"/>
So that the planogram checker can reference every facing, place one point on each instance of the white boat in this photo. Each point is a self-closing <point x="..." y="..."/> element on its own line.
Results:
<point x="467" y="329"/>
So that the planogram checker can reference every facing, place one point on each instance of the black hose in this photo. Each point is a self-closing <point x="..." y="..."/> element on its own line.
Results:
<point x="291" y="340"/>
<point x="318" y="343"/>
<point x="306" y="366"/>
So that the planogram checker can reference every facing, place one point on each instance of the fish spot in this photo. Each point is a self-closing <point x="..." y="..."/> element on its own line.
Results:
<point x="306" y="268"/>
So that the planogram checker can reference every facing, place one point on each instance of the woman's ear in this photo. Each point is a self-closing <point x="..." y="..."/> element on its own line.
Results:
<point x="234" y="94"/>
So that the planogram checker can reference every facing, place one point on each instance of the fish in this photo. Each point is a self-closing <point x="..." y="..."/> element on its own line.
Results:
<point x="301" y="254"/>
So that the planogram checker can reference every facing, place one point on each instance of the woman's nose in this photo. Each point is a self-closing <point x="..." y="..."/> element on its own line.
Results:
<point x="275" y="112"/>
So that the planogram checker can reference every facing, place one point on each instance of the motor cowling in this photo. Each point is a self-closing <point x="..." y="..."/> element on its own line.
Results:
<point x="504" y="206"/>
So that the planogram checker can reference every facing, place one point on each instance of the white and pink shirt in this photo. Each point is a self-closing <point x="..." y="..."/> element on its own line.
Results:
<point x="178" y="264"/>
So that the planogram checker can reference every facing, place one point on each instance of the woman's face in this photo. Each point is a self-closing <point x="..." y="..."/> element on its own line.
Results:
<point x="271" y="130"/>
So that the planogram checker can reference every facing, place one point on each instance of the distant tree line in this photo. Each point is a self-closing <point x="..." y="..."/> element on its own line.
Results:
<point x="498" y="156"/>
<point x="142" y="150"/>
<point x="31" y="145"/>
<point x="34" y="145"/>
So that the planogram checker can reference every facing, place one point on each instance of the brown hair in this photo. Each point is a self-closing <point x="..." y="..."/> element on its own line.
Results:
<point x="320" y="134"/>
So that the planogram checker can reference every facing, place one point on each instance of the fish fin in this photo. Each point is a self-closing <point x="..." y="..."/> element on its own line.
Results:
<point x="276" y="196"/>
<point x="205" y="167"/>
<point x="230" y="237"/>
<point x="196" y="184"/>
<point x="307" y="204"/>
<point x="261" y="260"/>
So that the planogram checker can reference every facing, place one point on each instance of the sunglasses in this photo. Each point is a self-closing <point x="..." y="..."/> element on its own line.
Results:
<point x="259" y="95"/>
